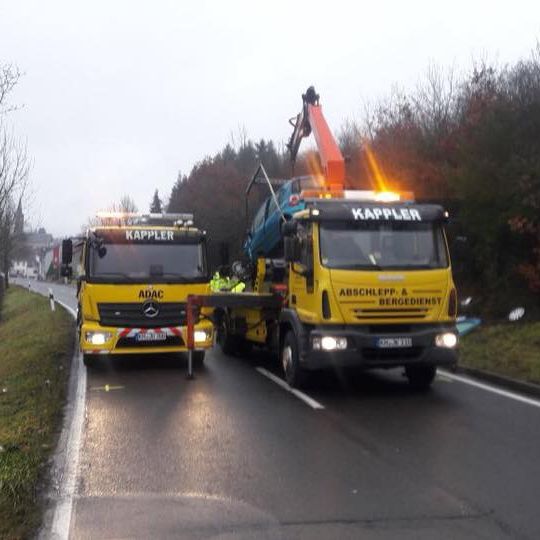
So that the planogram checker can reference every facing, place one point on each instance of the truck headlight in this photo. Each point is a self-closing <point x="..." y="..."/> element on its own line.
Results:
<point x="447" y="340"/>
<point x="201" y="335"/>
<point x="97" y="338"/>
<point x="329" y="343"/>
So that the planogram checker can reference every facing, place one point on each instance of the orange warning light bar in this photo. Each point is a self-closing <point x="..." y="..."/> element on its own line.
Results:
<point x="359" y="195"/>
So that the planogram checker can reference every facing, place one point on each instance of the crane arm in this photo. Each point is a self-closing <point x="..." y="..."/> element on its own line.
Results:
<point x="311" y="120"/>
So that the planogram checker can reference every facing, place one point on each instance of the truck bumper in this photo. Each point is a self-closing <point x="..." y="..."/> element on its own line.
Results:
<point x="141" y="340"/>
<point x="363" y="348"/>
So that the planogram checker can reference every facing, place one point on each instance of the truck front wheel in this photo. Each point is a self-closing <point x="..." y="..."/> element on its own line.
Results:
<point x="420" y="377"/>
<point x="290" y="361"/>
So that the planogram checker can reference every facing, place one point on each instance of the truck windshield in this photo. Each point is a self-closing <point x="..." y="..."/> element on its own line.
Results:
<point x="148" y="262"/>
<point x="382" y="246"/>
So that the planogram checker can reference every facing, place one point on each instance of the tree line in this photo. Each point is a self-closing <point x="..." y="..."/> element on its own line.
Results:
<point x="470" y="141"/>
<point x="214" y="192"/>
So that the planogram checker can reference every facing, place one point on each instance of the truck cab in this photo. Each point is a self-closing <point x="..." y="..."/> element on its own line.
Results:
<point x="369" y="284"/>
<point x="137" y="273"/>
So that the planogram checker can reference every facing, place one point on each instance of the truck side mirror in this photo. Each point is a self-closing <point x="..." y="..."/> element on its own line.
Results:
<point x="67" y="252"/>
<point x="290" y="249"/>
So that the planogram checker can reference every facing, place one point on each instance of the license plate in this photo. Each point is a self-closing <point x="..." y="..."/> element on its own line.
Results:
<point x="154" y="336"/>
<point x="394" y="342"/>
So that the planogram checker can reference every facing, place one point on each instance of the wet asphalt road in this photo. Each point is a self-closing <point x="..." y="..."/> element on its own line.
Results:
<point x="231" y="455"/>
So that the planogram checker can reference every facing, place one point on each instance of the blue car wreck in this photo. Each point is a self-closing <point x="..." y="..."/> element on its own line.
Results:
<point x="264" y="237"/>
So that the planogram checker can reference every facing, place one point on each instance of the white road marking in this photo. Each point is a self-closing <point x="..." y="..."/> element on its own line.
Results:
<point x="300" y="395"/>
<point x="492" y="389"/>
<point x="64" y="506"/>
<point x="72" y="312"/>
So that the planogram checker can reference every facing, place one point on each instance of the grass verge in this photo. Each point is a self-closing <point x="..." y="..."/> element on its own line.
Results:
<point x="512" y="350"/>
<point x="35" y="351"/>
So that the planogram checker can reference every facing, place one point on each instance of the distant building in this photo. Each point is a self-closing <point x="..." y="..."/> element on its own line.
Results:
<point x="38" y="241"/>
<point x="33" y="251"/>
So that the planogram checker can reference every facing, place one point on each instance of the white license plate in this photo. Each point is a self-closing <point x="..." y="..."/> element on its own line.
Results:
<point x="394" y="342"/>
<point x="154" y="336"/>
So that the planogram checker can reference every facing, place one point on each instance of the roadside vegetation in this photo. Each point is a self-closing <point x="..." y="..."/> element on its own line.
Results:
<point x="35" y="347"/>
<point x="511" y="349"/>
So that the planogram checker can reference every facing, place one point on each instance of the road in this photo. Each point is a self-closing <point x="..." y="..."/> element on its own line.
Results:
<point x="232" y="455"/>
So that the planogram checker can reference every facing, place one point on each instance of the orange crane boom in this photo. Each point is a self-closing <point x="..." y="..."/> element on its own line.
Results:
<point x="311" y="120"/>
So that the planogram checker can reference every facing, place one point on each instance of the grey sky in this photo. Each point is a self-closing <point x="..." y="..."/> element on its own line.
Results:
<point x="120" y="96"/>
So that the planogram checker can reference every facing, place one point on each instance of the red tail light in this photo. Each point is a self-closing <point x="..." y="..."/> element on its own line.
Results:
<point x="294" y="200"/>
<point x="281" y="290"/>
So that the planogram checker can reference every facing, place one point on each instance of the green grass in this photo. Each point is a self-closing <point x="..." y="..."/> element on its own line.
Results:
<point x="35" y="351"/>
<point x="508" y="349"/>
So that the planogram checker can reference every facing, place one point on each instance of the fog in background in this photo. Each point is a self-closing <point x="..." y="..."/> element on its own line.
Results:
<point x="117" y="97"/>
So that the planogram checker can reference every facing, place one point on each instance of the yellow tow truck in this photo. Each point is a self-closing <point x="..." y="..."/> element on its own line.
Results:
<point x="341" y="277"/>
<point x="137" y="272"/>
<point x="362" y="283"/>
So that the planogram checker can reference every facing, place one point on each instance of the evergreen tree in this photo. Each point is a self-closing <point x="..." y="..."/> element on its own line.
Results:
<point x="156" y="207"/>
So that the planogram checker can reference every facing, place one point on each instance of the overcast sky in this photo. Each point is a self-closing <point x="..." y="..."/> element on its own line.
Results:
<point x="119" y="96"/>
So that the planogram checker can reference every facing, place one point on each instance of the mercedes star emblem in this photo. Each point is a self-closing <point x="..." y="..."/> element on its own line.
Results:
<point x="150" y="309"/>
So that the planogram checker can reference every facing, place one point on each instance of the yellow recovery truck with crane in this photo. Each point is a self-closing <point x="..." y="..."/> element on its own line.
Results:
<point x="137" y="272"/>
<point x="364" y="278"/>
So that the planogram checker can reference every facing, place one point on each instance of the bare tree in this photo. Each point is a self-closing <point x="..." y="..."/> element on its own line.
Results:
<point x="14" y="169"/>
<point x="435" y="100"/>
<point x="126" y="205"/>
<point x="9" y="77"/>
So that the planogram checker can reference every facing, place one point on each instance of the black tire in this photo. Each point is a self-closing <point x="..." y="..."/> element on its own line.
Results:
<point x="290" y="362"/>
<point x="227" y="342"/>
<point x="243" y="346"/>
<point x="420" y="377"/>
<point x="197" y="359"/>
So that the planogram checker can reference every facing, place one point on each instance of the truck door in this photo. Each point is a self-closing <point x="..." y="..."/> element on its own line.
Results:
<point x="301" y="279"/>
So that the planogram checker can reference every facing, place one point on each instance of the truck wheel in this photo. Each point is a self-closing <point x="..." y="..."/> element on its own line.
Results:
<point x="294" y="374"/>
<point x="420" y="377"/>
<point x="227" y="342"/>
<point x="243" y="347"/>
<point x="197" y="359"/>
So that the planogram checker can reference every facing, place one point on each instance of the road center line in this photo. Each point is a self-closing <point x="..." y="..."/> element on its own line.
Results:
<point x="492" y="389"/>
<point x="300" y="395"/>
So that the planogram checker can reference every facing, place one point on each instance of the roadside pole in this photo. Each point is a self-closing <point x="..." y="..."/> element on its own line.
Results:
<point x="51" y="300"/>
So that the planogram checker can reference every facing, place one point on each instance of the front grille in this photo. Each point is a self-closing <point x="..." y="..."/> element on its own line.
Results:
<point x="131" y="315"/>
<point x="128" y="342"/>
<point x="393" y="313"/>
<point x="391" y="354"/>
<point x="389" y="328"/>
